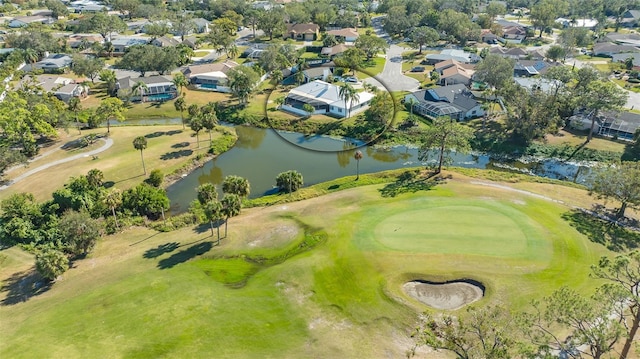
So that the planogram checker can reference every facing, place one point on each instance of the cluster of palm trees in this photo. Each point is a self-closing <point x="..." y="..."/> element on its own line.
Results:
<point x="204" y="117"/>
<point x="349" y="95"/>
<point x="235" y="188"/>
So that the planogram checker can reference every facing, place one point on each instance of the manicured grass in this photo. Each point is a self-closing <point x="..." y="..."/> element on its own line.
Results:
<point x="293" y="281"/>
<point x="371" y="68"/>
<point x="169" y="147"/>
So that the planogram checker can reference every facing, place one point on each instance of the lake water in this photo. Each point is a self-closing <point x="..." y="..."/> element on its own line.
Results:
<point x="261" y="154"/>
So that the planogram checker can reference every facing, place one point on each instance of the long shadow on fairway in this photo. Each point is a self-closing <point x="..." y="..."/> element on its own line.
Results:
<point x="160" y="250"/>
<point x="608" y="234"/>
<point x="185" y="255"/>
<point x="408" y="182"/>
<point x="22" y="286"/>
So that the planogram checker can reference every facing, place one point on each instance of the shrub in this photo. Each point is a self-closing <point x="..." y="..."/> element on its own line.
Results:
<point x="289" y="181"/>
<point x="156" y="177"/>
<point x="51" y="263"/>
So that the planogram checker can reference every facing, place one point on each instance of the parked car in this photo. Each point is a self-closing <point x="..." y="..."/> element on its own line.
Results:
<point x="351" y="79"/>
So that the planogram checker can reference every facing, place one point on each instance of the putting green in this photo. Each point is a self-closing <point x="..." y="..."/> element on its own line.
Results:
<point x="491" y="229"/>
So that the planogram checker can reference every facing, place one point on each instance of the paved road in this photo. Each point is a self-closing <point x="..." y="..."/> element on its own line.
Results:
<point x="391" y="76"/>
<point x="108" y="143"/>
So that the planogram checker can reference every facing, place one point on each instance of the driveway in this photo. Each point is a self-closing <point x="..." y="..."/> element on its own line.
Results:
<point x="391" y="76"/>
<point x="108" y="143"/>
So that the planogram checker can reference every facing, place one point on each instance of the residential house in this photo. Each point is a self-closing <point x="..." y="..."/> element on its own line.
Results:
<point x="255" y="51"/>
<point x="619" y="125"/>
<point x="629" y="39"/>
<point x="165" y="41"/>
<point x="158" y="88"/>
<point x="452" y="54"/>
<point x="454" y="101"/>
<point x="624" y="56"/>
<point x="489" y="37"/>
<point x="54" y="63"/>
<point x="211" y="77"/>
<point x="345" y="35"/>
<point x="137" y="25"/>
<point x="334" y="50"/>
<point x="89" y="8"/>
<point x="262" y="5"/>
<point x="62" y="87"/>
<point x="631" y="18"/>
<point x="536" y="54"/>
<point x="610" y="49"/>
<point x="80" y="41"/>
<point x="514" y="34"/>
<point x="325" y="99"/>
<point x="22" y="21"/>
<point x="202" y="25"/>
<point x="121" y="44"/>
<point x="453" y="72"/>
<point x="527" y="68"/>
<point x="532" y="84"/>
<point x="511" y="53"/>
<point x="192" y="42"/>
<point x="317" y="73"/>
<point x="583" y="23"/>
<point x="302" y="32"/>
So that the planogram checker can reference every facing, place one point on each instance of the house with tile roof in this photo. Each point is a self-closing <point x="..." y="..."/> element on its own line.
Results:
<point x="511" y="52"/>
<point x="158" y="88"/>
<point x="345" y="35"/>
<point x="210" y="77"/>
<point x="165" y="41"/>
<point x="453" y="72"/>
<point x="452" y="54"/>
<point x="610" y="49"/>
<point x="302" y="32"/>
<point x="61" y="87"/>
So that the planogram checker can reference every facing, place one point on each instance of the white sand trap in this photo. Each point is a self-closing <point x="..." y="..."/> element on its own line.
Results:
<point x="444" y="296"/>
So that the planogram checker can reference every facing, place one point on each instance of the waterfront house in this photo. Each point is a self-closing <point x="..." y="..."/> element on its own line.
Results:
<point x="325" y="99"/>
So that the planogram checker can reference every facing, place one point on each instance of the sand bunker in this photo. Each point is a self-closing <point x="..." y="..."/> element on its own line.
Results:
<point x="445" y="296"/>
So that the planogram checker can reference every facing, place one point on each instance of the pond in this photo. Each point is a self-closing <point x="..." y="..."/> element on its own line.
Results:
<point x="260" y="154"/>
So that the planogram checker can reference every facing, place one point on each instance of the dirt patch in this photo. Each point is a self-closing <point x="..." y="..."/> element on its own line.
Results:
<point x="445" y="296"/>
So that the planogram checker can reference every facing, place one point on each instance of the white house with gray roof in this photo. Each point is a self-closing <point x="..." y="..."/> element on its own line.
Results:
<point x="454" y="101"/>
<point x="325" y="99"/>
<point x="158" y="88"/>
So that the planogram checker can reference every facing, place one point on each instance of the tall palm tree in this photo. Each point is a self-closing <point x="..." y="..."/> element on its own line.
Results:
<point x="180" y="81"/>
<point x="349" y="95"/>
<point x="358" y="156"/>
<point x="236" y="185"/>
<point x="75" y="106"/>
<point x="113" y="199"/>
<point x="232" y="51"/>
<point x="213" y="212"/>
<point x="139" y="88"/>
<point x="209" y="121"/>
<point x="109" y="48"/>
<point x="181" y="105"/>
<point x="207" y="192"/>
<point x="196" y="125"/>
<point x="140" y="143"/>
<point x="231" y="206"/>
<point x="95" y="178"/>
<point x="411" y="102"/>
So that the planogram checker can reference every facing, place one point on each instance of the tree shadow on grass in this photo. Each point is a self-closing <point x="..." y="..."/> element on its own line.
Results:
<point x="180" y="145"/>
<point x="154" y="134"/>
<point x="408" y="182"/>
<point x="160" y="250"/>
<point x="22" y="286"/>
<point x="185" y="255"/>
<point x="609" y="234"/>
<point x="176" y="154"/>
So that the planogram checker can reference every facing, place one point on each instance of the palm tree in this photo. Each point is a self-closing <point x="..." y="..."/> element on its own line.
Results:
<point x="209" y="121"/>
<point x="113" y="199"/>
<point x="31" y="56"/>
<point x="139" y="88"/>
<point x="181" y="105"/>
<point x="196" y="125"/>
<point x="180" y="81"/>
<point x="358" y="157"/>
<point x="109" y="48"/>
<point x="193" y="110"/>
<point x="298" y="77"/>
<point x="231" y="206"/>
<point x="75" y="106"/>
<point x="411" y="102"/>
<point x="140" y="143"/>
<point x="95" y="177"/>
<point x="236" y="185"/>
<point x="276" y="77"/>
<point x="232" y="51"/>
<point x="207" y="192"/>
<point x="349" y="95"/>
<point x="212" y="211"/>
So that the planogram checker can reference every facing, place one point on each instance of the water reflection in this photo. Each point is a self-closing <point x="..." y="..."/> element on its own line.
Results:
<point x="250" y="137"/>
<point x="347" y="153"/>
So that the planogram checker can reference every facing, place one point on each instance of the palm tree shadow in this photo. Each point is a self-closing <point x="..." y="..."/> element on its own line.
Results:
<point x="160" y="250"/>
<point x="185" y="255"/>
<point x="408" y="182"/>
<point x="22" y="286"/>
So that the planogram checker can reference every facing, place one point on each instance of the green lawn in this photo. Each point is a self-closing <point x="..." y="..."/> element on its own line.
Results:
<point x="315" y="278"/>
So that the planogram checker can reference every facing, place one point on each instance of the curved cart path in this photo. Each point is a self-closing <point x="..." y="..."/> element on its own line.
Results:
<point x="108" y="143"/>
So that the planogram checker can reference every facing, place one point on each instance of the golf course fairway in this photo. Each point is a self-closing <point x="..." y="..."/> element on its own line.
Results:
<point x="319" y="278"/>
